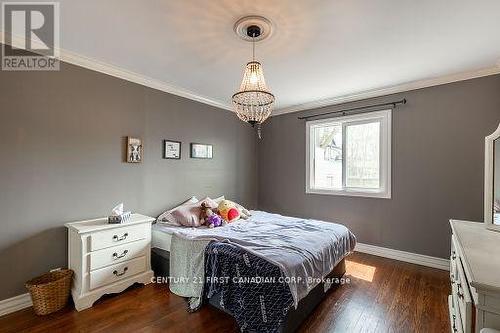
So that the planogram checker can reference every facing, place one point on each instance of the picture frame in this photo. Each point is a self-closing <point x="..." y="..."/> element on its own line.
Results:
<point x="201" y="150"/>
<point x="172" y="149"/>
<point x="135" y="150"/>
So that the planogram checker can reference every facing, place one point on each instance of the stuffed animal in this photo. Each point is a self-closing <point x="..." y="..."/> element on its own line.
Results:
<point x="204" y="212"/>
<point x="213" y="221"/>
<point x="229" y="211"/>
<point x="208" y="217"/>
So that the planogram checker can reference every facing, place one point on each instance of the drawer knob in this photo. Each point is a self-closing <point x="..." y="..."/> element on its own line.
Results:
<point x="116" y="256"/>
<point x="117" y="239"/>
<point x="120" y="274"/>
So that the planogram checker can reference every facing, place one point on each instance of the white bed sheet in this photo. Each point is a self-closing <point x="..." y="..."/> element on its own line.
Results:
<point x="161" y="234"/>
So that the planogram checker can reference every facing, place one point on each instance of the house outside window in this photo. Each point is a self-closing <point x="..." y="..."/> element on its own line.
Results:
<point x="350" y="155"/>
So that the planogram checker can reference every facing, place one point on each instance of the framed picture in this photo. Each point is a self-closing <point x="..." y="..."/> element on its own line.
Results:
<point x="200" y="150"/>
<point x="172" y="149"/>
<point x="134" y="150"/>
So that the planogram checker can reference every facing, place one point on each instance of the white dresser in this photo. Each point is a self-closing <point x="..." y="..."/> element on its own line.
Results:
<point x="474" y="302"/>
<point x="108" y="258"/>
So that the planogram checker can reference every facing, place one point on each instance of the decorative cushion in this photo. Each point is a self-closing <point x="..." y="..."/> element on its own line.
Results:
<point x="167" y="218"/>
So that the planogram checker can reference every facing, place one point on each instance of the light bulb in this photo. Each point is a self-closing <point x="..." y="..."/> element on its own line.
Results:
<point x="254" y="78"/>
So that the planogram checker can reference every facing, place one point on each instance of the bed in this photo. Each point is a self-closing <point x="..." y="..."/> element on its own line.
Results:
<point x="295" y="254"/>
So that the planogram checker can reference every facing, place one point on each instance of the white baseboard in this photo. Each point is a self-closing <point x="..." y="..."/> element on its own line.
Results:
<point x="15" y="303"/>
<point x="413" y="258"/>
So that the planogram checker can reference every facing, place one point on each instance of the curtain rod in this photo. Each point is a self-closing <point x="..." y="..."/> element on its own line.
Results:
<point x="343" y="112"/>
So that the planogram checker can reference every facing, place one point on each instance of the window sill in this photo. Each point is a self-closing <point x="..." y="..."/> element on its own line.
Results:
<point x="351" y="193"/>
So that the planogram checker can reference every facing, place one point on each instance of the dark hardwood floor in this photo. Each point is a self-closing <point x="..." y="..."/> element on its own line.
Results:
<point x="383" y="296"/>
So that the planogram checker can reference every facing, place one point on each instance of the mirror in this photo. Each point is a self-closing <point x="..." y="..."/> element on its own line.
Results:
<point x="496" y="182"/>
<point x="492" y="181"/>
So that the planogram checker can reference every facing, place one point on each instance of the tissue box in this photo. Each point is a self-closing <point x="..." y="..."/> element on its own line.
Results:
<point x="122" y="218"/>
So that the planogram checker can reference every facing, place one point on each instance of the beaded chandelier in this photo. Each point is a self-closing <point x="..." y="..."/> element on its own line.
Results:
<point x="253" y="103"/>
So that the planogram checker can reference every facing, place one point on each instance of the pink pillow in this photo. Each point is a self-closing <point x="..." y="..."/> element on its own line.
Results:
<point x="167" y="218"/>
<point x="188" y="215"/>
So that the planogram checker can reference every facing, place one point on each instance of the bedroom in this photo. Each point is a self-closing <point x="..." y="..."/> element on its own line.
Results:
<point x="289" y="166"/>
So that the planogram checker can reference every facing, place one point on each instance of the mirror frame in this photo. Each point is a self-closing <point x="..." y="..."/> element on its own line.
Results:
<point x="489" y="178"/>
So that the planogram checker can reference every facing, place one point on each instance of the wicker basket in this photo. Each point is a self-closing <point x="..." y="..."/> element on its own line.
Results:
<point x="50" y="292"/>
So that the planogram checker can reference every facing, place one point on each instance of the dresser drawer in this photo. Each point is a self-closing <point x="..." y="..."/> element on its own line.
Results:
<point x="455" y="321"/>
<point x="462" y="297"/>
<point x="117" y="254"/>
<point x="110" y="274"/>
<point x="118" y="236"/>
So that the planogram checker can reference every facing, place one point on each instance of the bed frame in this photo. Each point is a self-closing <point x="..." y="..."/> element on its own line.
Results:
<point x="160" y="262"/>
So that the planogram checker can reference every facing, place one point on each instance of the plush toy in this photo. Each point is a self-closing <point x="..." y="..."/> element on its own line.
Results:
<point x="208" y="217"/>
<point x="229" y="211"/>
<point x="213" y="221"/>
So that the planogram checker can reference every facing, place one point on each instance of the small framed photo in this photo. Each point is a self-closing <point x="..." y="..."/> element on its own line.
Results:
<point x="172" y="149"/>
<point x="200" y="150"/>
<point x="134" y="150"/>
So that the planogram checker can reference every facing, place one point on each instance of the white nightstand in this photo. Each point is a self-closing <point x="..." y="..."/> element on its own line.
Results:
<point x="108" y="258"/>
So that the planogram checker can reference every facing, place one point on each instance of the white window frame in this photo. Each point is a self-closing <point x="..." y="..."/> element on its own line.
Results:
<point x="385" y="119"/>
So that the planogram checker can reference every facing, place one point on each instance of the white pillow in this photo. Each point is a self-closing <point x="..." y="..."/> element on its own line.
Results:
<point x="245" y="213"/>
<point x="168" y="218"/>
<point x="219" y="199"/>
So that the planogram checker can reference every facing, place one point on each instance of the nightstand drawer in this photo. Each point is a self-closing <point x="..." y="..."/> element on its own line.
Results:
<point x="118" y="236"/>
<point x="117" y="254"/>
<point x="111" y="274"/>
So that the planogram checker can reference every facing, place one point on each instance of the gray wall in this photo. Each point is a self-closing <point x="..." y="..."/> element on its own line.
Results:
<point x="437" y="168"/>
<point x="62" y="138"/>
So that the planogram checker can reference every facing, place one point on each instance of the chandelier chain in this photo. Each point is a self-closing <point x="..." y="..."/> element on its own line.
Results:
<point x="253" y="46"/>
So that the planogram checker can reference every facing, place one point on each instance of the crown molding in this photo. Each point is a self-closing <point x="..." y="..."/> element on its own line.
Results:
<point x="122" y="73"/>
<point x="413" y="85"/>
<point x="109" y="69"/>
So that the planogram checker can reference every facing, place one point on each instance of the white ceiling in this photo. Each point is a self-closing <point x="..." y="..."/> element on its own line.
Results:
<point x="320" y="50"/>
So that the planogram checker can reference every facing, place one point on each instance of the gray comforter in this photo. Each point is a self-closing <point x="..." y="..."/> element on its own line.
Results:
<point x="305" y="250"/>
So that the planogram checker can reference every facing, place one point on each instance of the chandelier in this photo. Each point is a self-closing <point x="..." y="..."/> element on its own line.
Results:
<point x="253" y="102"/>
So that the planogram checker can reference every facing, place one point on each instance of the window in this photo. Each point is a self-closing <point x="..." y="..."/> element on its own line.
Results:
<point x="350" y="155"/>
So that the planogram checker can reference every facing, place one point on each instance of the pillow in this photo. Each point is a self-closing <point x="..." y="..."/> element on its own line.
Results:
<point x="219" y="199"/>
<point x="167" y="218"/>
<point x="245" y="213"/>
<point x="188" y="215"/>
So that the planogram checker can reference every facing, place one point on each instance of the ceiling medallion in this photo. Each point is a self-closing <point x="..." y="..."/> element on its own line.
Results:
<point x="253" y="102"/>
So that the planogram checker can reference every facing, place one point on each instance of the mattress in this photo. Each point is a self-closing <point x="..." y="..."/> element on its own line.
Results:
<point x="161" y="236"/>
